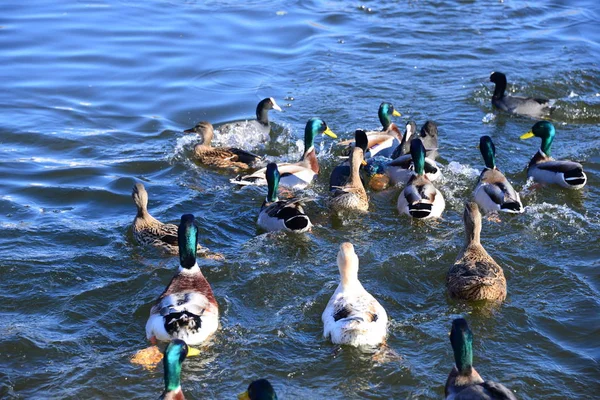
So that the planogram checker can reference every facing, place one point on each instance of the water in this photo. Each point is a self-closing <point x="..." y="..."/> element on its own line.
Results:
<point x="95" y="96"/>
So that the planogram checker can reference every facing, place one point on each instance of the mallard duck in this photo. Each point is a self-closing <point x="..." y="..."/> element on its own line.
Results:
<point x="281" y="215"/>
<point x="352" y="316"/>
<point x="493" y="191"/>
<point x="475" y="275"/>
<point x="544" y="169"/>
<point x="175" y="354"/>
<point x="381" y="143"/>
<point x="187" y="308"/>
<point x="147" y="230"/>
<point x="297" y="175"/>
<point x="409" y="134"/>
<point x="464" y="383"/>
<point x="259" y="389"/>
<point x="420" y="199"/>
<point x="260" y="124"/>
<point x="351" y="195"/>
<point x="221" y="157"/>
<point x="528" y="106"/>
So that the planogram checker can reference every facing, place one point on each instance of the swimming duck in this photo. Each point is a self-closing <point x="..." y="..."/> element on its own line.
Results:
<point x="297" y="175"/>
<point x="187" y="308"/>
<point x="351" y="195"/>
<point x="175" y="354"/>
<point x="420" y="199"/>
<point x="259" y="389"/>
<point x="464" y="383"/>
<point x="147" y="230"/>
<point x="381" y="143"/>
<point x="528" y="106"/>
<point x="475" y="275"/>
<point x="260" y="124"/>
<point x="544" y="169"/>
<point x="340" y="174"/>
<point x="409" y="134"/>
<point x="221" y="157"/>
<point x="352" y="316"/>
<point x="277" y="215"/>
<point x="493" y="191"/>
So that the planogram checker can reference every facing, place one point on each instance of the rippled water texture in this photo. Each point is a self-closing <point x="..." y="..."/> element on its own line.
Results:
<point x="95" y="95"/>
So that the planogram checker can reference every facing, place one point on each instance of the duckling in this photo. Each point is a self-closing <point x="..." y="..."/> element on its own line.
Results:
<point x="277" y="215"/>
<point x="147" y="230"/>
<point x="298" y="175"/>
<point x="544" y="169"/>
<point x="221" y="157"/>
<point x="493" y="191"/>
<point x="475" y="275"/>
<point x="352" y="195"/>
<point x="261" y="124"/>
<point x="259" y="389"/>
<point x="175" y="354"/>
<point x="464" y="382"/>
<point x="352" y="316"/>
<point x="420" y="199"/>
<point x="528" y="106"/>
<point x="187" y="308"/>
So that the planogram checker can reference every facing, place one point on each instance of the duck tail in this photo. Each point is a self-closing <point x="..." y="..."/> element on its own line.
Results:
<point x="512" y="207"/>
<point x="177" y="321"/>
<point x="575" y="177"/>
<point x="420" y="210"/>
<point x="299" y="222"/>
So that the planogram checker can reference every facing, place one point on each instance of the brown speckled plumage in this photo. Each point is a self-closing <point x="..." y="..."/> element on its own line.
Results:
<point x="475" y="275"/>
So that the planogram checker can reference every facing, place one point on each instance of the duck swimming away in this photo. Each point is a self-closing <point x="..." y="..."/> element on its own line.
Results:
<point x="527" y="106"/>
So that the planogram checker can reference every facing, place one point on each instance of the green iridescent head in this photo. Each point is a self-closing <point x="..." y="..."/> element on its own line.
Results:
<point x="187" y="237"/>
<point x="272" y="175"/>
<point x="545" y="131"/>
<point x="314" y="127"/>
<point x="461" y="339"/>
<point x="260" y="389"/>
<point x="175" y="353"/>
<point x="488" y="151"/>
<point x="386" y="111"/>
<point x="417" y="152"/>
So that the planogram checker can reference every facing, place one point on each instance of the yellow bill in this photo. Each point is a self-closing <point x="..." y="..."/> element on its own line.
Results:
<point x="396" y="113"/>
<point x="329" y="133"/>
<point x="527" y="135"/>
<point x="193" y="352"/>
<point x="244" y="396"/>
<point x="363" y="163"/>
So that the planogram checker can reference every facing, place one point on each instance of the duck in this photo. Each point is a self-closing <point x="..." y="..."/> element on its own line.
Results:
<point x="383" y="142"/>
<point x="419" y="198"/>
<point x="493" y="191"/>
<point x="187" y="308"/>
<point x="147" y="230"/>
<point x="353" y="316"/>
<point x="464" y="382"/>
<point x="475" y="275"/>
<point x="351" y="195"/>
<point x="527" y="106"/>
<point x="545" y="169"/>
<point x="294" y="175"/>
<point x="341" y="173"/>
<point x="175" y="353"/>
<point x="281" y="215"/>
<point x="261" y="124"/>
<point x="260" y="389"/>
<point x="401" y="168"/>
<point x="220" y="157"/>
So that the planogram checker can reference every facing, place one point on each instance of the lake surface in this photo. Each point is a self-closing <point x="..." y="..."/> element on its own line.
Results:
<point x="95" y="95"/>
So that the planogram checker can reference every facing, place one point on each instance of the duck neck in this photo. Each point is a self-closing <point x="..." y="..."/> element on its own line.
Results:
<point x="355" y="162"/>
<point x="310" y="159"/>
<point x="463" y="356"/>
<point x="547" y="144"/>
<point x="384" y="118"/>
<point x="207" y="138"/>
<point x="273" y="186"/>
<point x="500" y="88"/>
<point x="349" y="277"/>
<point x="262" y="114"/>
<point x="472" y="230"/>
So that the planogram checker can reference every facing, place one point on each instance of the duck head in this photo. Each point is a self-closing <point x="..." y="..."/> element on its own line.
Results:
<point x="205" y="130"/>
<point x="544" y="130"/>
<point x="259" y="389"/>
<point x="175" y="354"/>
<point x="417" y="152"/>
<point x="314" y="127"/>
<point x="500" y="80"/>
<point x="387" y="110"/>
<point x="272" y="175"/>
<point x="488" y="151"/>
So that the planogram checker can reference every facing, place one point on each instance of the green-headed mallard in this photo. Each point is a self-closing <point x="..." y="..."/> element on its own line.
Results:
<point x="259" y="389"/>
<point x="529" y="106"/>
<point x="147" y="230"/>
<point x="260" y="124"/>
<point x="351" y="195"/>
<point x="420" y="199"/>
<point x="175" y="354"/>
<point x="187" y="308"/>
<point x="464" y="383"/>
<point x="475" y="275"/>
<point x="353" y="316"/>
<point x="493" y="191"/>
<point x="278" y="215"/>
<point x="544" y="169"/>
<point x="221" y="157"/>
<point x="297" y="175"/>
